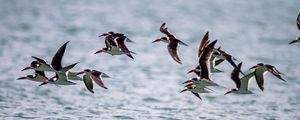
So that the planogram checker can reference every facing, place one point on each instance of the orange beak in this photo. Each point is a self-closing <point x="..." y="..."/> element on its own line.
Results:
<point x="228" y="92"/>
<point x="183" y="90"/>
<point x="80" y="73"/>
<point x="21" y="78"/>
<point x="255" y="66"/>
<point x="99" y="51"/>
<point x="193" y="70"/>
<point x="104" y="34"/>
<point x="157" y="40"/>
<point x="189" y="81"/>
<point x="28" y="67"/>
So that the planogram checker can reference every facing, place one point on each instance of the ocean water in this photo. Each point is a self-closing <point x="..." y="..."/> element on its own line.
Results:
<point x="148" y="87"/>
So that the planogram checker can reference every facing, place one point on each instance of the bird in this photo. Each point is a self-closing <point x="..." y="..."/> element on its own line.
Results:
<point x="196" y="90"/>
<point x="169" y="35"/>
<point x="260" y="69"/>
<point x="112" y="47"/>
<point x="39" y="65"/>
<point x="114" y="35"/>
<point x="297" y="39"/>
<point x="93" y="75"/>
<point x="172" y="43"/>
<point x="39" y="76"/>
<point x="201" y="82"/>
<point x="121" y="44"/>
<point x="213" y="62"/>
<point x="60" y="77"/>
<point x="242" y="84"/>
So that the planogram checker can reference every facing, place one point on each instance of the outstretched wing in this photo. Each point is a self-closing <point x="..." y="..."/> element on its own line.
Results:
<point x="203" y="43"/>
<point x="164" y="30"/>
<point x="259" y="76"/>
<point x="172" y="48"/>
<point x="88" y="82"/>
<point x="235" y="76"/>
<point x="95" y="75"/>
<point x="204" y="60"/>
<point x="274" y="71"/>
<point x="39" y="59"/>
<point x="57" y="58"/>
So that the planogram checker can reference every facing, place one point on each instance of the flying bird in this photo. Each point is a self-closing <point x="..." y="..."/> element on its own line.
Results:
<point x="93" y="75"/>
<point x="242" y="84"/>
<point x="60" y="77"/>
<point x="297" y="39"/>
<point x="260" y="69"/>
<point x="172" y="43"/>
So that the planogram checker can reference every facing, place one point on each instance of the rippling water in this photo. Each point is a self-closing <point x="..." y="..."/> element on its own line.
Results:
<point x="148" y="87"/>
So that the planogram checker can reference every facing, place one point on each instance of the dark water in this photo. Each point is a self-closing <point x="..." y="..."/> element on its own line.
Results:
<point x="148" y="87"/>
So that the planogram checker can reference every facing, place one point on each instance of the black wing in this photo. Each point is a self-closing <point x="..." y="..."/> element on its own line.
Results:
<point x="121" y="44"/>
<point x="203" y="44"/>
<point x="274" y="71"/>
<point x="229" y="58"/>
<point x="204" y="60"/>
<point x="197" y="95"/>
<point x="235" y="76"/>
<point x="298" y="21"/>
<point x="172" y="48"/>
<point x="39" y="59"/>
<point x="57" y="58"/>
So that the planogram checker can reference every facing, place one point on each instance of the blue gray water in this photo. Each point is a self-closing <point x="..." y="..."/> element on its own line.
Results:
<point x="148" y="86"/>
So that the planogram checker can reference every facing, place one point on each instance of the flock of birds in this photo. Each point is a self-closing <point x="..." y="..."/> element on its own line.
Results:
<point x="209" y="57"/>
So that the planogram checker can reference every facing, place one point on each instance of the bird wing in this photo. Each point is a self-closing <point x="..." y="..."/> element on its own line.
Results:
<point x="95" y="75"/>
<point x="41" y="73"/>
<point x="298" y="21"/>
<point x="57" y="58"/>
<point x="245" y="81"/>
<point x="197" y="95"/>
<point x="259" y="76"/>
<point x="67" y="68"/>
<point x="121" y="44"/>
<point x="235" y="76"/>
<point x="219" y="61"/>
<point x="274" y="71"/>
<point x="39" y="59"/>
<point x="229" y="58"/>
<point x="204" y="60"/>
<point x="109" y="41"/>
<point x="164" y="30"/>
<point x="88" y="82"/>
<point x="172" y="48"/>
<point x="204" y="42"/>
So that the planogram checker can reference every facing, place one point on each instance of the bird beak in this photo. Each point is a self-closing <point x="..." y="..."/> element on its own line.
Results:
<point x="189" y="85"/>
<point x="26" y="68"/>
<point x="183" y="90"/>
<point x="99" y="51"/>
<point x="104" y="34"/>
<point x="193" y="70"/>
<point x="255" y="66"/>
<point x="21" y="78"/>
<point x="228" y="92"/>
<point x="189" y="81"/>
<point x="157" y="40"/>
<point x="44" y="83"/>
<point x="80" y="73"/>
